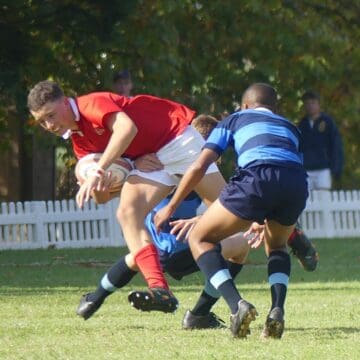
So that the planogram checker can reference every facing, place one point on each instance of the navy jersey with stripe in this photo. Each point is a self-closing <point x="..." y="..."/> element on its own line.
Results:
<point x="258" y="137"/>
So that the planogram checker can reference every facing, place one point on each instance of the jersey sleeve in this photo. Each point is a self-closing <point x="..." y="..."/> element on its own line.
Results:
<point x="99" y="108"/>
<point x="221" y="137"/>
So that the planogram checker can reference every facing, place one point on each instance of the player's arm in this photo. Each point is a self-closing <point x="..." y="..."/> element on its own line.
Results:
<point x="102" y="197"/>
<point x="146" y="163"/>
<point x="123" y="132"/>
<point x="191" y="178"/>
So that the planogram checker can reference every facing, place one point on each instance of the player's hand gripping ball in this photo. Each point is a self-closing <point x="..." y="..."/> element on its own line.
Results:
<point x="118" y="170"/>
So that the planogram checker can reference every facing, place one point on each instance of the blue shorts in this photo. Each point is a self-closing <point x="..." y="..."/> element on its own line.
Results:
<point x="267" y="192"/>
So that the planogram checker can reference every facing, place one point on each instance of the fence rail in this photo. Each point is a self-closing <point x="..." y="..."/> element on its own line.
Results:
<point x="330" y="214"/>
<point x="40" y="224"/>
<point x="60" y="224"/>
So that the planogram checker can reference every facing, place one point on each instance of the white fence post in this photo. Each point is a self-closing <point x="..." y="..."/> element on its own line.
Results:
<point x="39" y="224"/>
<point x="39" y="211"/>
<point x="324" y="197"/>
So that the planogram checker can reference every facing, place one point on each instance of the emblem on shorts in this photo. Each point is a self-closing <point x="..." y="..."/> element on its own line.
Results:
<point x="322" y="126"/>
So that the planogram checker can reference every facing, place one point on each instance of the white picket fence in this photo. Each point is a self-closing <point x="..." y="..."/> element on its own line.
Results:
<point x="40" y="224"/>
<point x="330" y="214"/>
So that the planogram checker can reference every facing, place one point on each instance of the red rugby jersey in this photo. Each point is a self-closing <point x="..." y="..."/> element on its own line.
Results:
<point x="158" y="121"/>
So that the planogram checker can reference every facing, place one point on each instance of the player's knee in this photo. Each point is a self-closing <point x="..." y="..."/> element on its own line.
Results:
<point x="193" y="240"/>
<point x="239" y="258"/>
<point x="277" y="242"/>
<point x="125" y="213"/>
<point x="275" y="246"/>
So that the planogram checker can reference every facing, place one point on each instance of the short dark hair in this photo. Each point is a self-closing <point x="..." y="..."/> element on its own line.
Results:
<point x="261" y="94"/>
<point x="123" y="74"/>
<point x="310" y="95"/>
<point x="42" y="93"/>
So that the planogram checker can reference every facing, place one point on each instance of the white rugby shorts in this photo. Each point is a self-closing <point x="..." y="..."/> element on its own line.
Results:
<point x="319" y="179"/>
<point x="177" y="156"/>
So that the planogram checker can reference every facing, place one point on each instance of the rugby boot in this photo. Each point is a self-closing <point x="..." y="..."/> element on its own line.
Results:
<point x="240" y="321"/>
<point x="208" y="321"/>
<point x="153" y="299"/>
<point x="303" y="249"/>
<point x="274" y="325"/>
<point x="87" y="308"/>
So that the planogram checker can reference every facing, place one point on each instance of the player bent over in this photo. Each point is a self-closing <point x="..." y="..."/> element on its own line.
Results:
<point x="177" y="261"/>
<point x="175" y="255"/>
<point x="269" y="187"/>
<point x="114" y="125"/>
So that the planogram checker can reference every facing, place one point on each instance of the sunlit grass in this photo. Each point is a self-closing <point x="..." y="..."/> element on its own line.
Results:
<point x="40" y="290"/>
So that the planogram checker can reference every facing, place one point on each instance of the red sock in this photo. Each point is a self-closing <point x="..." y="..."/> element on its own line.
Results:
<point x="292" y="237"/>
<point x="147" y="259"/>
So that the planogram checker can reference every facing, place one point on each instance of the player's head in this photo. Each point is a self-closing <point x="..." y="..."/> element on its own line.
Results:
<point x="311" y="101"/>
<point x="50" y="107"/>
<point x="122" y="83"/>
<point x="259" y="95"/>
<point x="204" y="124"/>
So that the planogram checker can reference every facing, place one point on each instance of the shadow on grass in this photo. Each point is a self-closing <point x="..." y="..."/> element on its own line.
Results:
<point x="327" y="332"/>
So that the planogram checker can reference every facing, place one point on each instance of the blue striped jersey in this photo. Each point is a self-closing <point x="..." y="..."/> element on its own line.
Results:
<point x="258" y="136"/>
<point x="163" y="240"/>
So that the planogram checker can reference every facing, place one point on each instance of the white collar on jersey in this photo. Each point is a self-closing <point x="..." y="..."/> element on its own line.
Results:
<point x="261" y="108"/>
<point x="75" y="110"/>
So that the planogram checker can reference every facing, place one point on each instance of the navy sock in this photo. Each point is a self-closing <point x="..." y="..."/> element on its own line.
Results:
<point x="234" y="268"/>
<point x="204" y="304"/>
<point x="279" y="268"/>
<point x="206" y="301"/>
<point x="215" y="269"/>
<point x="117" y="276"/>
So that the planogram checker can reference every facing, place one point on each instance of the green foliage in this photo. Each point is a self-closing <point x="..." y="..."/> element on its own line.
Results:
<point x="40" y="290"/>
<point x="199" y="52"/>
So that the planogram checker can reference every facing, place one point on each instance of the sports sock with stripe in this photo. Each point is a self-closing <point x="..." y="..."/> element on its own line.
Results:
<point x="279" y="268"/>
<point x="210" y="295"/>
<point x="215" y="269"/>
<point x="117" y="276"/>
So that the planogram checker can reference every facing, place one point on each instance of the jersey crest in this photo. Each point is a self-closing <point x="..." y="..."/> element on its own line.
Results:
<point x="322" y="126"/>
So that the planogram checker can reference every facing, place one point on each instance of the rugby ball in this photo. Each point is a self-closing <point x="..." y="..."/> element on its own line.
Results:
<point x="119" y="170"/>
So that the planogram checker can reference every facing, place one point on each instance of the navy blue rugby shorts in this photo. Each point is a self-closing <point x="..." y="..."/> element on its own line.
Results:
<point x="266" y="192"/>
<point x="178" y="264"/>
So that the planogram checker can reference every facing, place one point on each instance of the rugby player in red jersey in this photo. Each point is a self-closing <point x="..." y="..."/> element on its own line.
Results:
<point x="103" y="122"/>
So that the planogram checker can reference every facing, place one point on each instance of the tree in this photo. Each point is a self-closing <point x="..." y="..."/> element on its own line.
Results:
<point x="199" y="52"/>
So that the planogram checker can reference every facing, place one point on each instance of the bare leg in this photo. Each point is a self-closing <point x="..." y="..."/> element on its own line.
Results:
<point x="216" y="224"/>
<point x="210" y="186"/>
<point x="276" y="235"/>
<point x="139" y="196"/>
<point x="235" y="248"/>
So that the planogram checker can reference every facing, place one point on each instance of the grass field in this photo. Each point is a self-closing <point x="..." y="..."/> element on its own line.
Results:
<point x="40" y="290"/>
